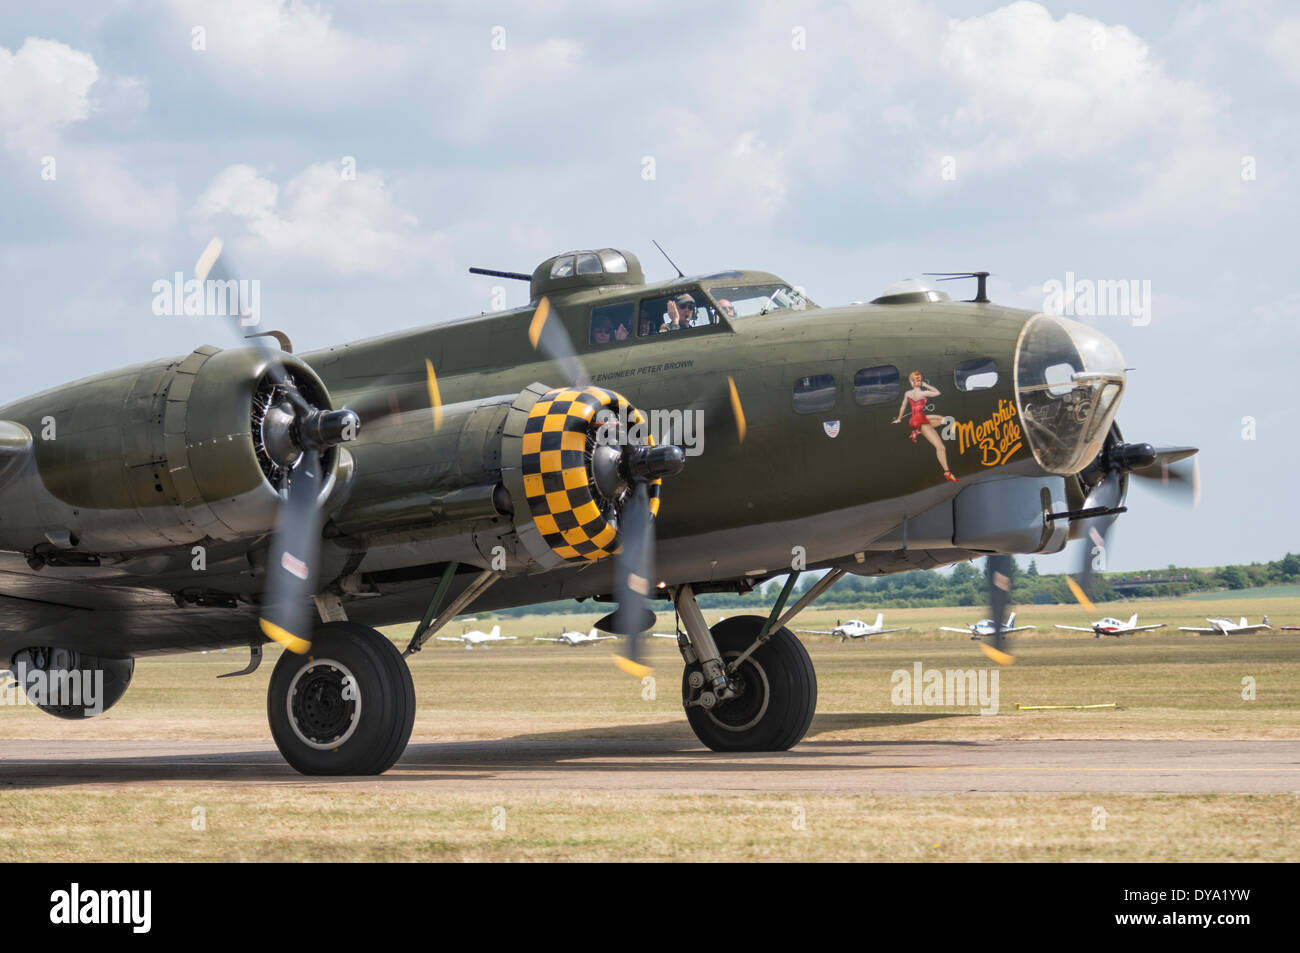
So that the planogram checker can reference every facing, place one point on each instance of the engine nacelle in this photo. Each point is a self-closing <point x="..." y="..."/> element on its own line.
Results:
<point x="560" y="455"/>
<point x="537" y="473"/>
<point x="152" y="456"/>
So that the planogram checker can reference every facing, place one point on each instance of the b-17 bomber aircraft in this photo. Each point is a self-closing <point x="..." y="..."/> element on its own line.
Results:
<point x="577" y="638"/>
<point x="614" y="440"/>
<point x="1226" y="627"/>
<point x="855" y="629"/>
<point x="1110" y="626"/>
<point x="987" y="627"/>
<point x="476" y="637"/>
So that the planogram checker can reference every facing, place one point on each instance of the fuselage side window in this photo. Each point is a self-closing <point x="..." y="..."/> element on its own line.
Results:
<point x="612" y="322"/>
<point x="814" y="394"/>
<point x="679" y="312"/>
<point x="876" y="385"/>
<point x="979" y="373"/>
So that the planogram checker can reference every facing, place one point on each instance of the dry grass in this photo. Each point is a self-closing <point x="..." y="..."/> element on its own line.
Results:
<point x="1169" y="686"/>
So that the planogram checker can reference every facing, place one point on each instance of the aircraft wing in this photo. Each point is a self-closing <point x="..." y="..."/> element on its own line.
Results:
<point x="1021" y="628"/>
<point x="815" y="631"/>
<point x="450" y="638"/>
<point x="901" y="628"/>
<point x="542" y="638"/>
<point x="1204" y="630"/>
<point x="948" y="628"/>
<point x="662" y="635"/>
<point x="1138" y="628"/>
<point x="1077" y="628"/>
<point x="1247" y="629"/>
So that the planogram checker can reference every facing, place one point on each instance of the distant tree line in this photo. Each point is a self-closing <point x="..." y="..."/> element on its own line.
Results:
<point x="968" y="586"/>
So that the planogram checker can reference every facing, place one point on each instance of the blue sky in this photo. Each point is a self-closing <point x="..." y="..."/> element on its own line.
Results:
<point x="1157" y="143"/>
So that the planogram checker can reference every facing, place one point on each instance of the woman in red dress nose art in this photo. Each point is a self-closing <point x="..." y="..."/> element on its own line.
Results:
<point x="923" y="423"/>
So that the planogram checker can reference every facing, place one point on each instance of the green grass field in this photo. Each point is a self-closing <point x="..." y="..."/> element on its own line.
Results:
<point x="1168" y="685"/>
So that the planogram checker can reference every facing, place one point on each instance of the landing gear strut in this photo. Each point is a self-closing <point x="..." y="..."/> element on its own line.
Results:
<point x="748" y="684"/>
<point x="347" y="707"/>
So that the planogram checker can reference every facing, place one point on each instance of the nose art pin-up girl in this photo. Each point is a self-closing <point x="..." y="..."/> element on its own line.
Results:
<point x="921" y="422"/>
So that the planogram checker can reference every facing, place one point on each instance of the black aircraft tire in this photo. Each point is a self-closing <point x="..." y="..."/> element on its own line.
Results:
<point x="780" y="696"/>
<point x="323" y="726"/>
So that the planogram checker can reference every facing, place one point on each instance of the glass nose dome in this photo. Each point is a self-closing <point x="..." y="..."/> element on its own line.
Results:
<point x="1069" y="378"/>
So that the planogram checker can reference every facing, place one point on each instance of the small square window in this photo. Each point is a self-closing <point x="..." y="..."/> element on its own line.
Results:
<point x="876" y="385"/>
<point x="814" y="393"/>
<point x="980" y="373"/>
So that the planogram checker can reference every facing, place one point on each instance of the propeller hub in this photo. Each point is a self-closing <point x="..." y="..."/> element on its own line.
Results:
<point x="1133" y="456"/>
<point x="278" y="435"/>
<point x="607" y="472"/>
<point x="321" y="429"/>
<point x="652" y="463"/>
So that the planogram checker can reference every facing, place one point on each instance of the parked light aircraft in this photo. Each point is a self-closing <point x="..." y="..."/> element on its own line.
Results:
<point x="1110" y="626"/>
<point x="1226" y="627"/>
<point x="578" y="638"/>
<point x="985" y="627"/>
<point x="855" y="629"/>
<point x="474" y="638"/>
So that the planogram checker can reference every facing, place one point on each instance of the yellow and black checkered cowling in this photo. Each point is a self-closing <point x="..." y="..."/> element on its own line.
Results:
<point x="566" y="507"/>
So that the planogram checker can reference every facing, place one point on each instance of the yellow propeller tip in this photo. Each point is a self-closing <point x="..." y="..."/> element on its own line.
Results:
<point x="1080" y="595"/>
<point x="633" y="668"/>
<point x="284" y="637"/>
<point x="539" y="319"/>
<point x="737" y="411"/>
<point x="1002" y="658"/>
<point x="435" y="397"/>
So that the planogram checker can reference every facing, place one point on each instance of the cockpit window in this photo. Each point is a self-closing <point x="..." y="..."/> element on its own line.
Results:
<point x="614" y="262"/>
<point x="612" y="322"/>
<point x="588" y="263"/>
<point x="562" y="267"/>
<point x="745" y="300"/>
<point x="679" y="312"/>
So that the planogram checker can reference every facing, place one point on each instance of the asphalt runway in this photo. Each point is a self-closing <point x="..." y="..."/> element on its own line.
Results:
<point x="674" y="767"/>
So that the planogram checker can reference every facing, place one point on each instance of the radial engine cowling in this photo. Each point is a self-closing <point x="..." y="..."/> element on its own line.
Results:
<point x="564" y="453"/>
<point x="158" y="455"/>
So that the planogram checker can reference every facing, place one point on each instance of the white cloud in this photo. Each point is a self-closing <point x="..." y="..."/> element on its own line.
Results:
<point x="349" y="226"/>
<point x="292" y="44"/>
<point x="44" y="86"/>
<point x="1033" y="87"/>
<point x="47" y="86"/>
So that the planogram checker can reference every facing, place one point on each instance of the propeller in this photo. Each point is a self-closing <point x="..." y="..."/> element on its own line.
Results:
<point x="1175" y="469"/>
<point x="297" y="434"/>
<point x="997" y="646"/>
<point x="615" y="472"/>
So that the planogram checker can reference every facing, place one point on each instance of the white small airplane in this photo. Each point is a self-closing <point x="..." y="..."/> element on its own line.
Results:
<point x="1226" y="627"/>
<point x="1109" y="626"/>
<point x="474" y="638"/>
<point x="578" y="638"/>
<point x="855" y="629"/>
<point x="986" y="627"/>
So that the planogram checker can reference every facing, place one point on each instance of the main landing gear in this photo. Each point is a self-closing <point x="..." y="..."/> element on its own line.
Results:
<point x="346" y="707"/>
<point x="749" y="684"/>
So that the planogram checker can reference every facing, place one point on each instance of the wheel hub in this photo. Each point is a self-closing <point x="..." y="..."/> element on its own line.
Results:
<point x="324" y="703"/>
